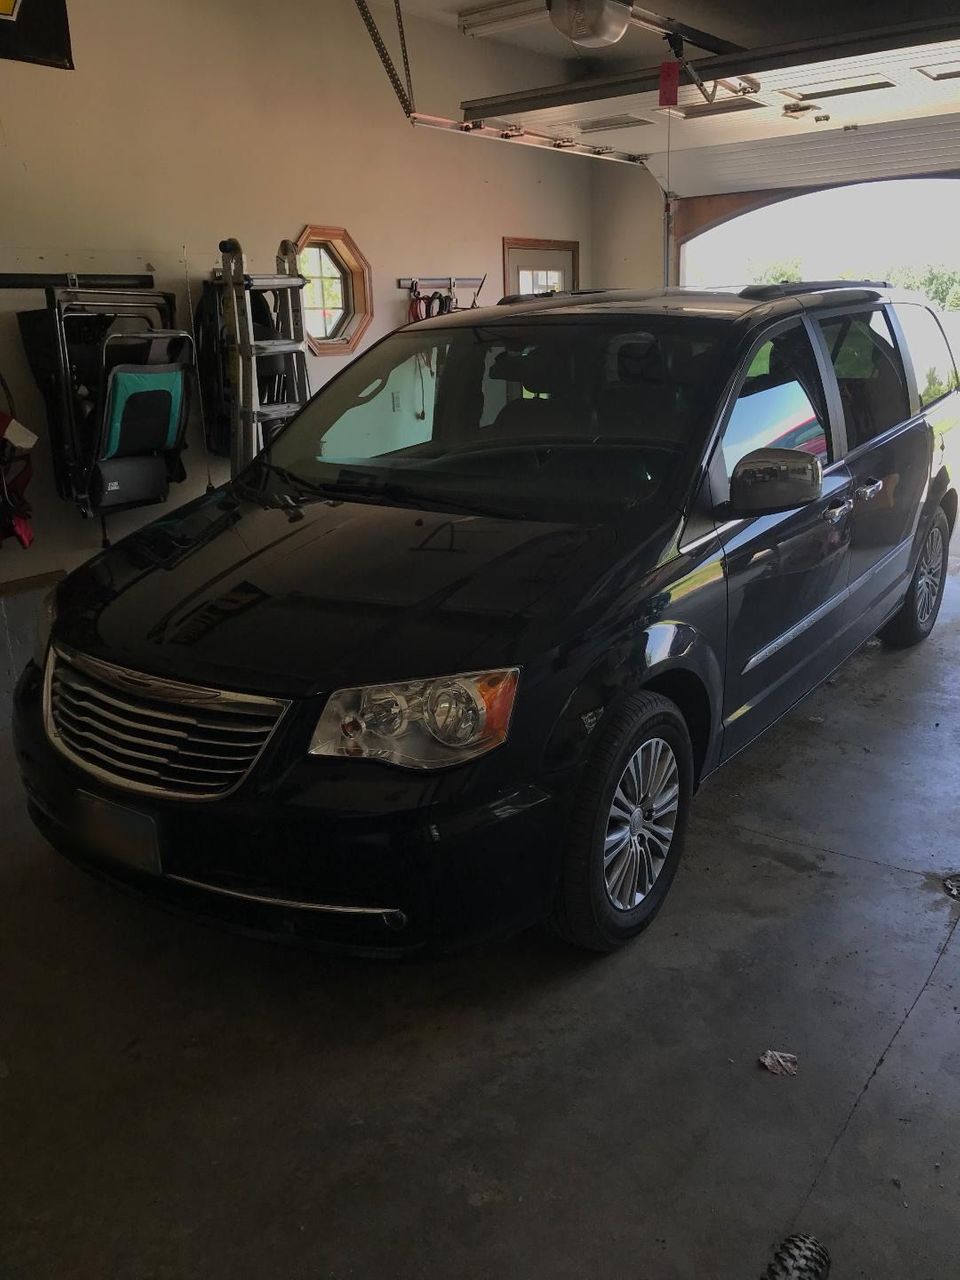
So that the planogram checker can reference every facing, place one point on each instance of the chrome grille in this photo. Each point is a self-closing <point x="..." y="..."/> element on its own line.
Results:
<point x="153" y="735"/>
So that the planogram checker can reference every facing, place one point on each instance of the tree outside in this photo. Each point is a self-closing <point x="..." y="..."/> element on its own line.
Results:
<point x="904" y="231"/>
<point x="938" y="283"/>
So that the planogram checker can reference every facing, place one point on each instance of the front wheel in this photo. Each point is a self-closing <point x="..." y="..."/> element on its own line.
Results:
<point x="628" y="826"/>
<point x="914" y="620"/>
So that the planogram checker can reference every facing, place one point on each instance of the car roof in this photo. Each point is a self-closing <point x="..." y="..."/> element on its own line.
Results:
<point x="754" y="303"/>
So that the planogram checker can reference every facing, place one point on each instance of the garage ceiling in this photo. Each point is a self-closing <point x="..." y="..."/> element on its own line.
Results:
<point x="752" y="23"/>
<point x="888" y="106"/>
<point x="540" y="36"/>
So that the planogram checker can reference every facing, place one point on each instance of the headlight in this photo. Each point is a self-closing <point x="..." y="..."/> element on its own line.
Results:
<point x="46" y="617"/>
<point x="421" y="724"/>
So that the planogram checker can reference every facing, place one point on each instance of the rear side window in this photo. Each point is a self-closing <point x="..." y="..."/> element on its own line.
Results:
<point x="780" y="405"/>
<point x="932" y="361"/>
<point x="873" y="389"/>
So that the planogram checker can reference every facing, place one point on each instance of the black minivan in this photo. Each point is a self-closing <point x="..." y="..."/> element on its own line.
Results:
<point x="454" y="653"/>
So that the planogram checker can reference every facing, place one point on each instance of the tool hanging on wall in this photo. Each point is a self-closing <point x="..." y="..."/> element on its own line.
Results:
<point x="443" y="299"/>
<point x="402" y="88"/>
<point x="264" y="395"/>
<point x="424" y="305"/>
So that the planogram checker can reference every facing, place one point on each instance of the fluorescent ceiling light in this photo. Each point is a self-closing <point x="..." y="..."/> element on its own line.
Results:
<point x="941" y="71"/>
<point x="491" y="19"/>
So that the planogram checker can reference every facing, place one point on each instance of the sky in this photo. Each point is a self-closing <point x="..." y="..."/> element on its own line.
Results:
<point x="865" y="230"/>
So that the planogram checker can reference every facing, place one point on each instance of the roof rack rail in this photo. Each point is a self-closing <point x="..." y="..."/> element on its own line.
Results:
<point x="509" y="299"/>
<point x="787" y="288"/>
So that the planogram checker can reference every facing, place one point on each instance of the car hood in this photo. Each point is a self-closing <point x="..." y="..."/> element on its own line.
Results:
<point x="296" y="600"/>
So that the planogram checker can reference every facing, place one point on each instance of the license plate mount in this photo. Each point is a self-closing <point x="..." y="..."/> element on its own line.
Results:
<point x="126" y="836"/>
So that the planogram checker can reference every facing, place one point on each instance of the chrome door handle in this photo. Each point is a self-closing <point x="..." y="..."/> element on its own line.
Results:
<point x="837" y="510"/>
<point x="866" y="492"/>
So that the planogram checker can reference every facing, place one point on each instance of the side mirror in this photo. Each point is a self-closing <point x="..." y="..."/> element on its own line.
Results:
<point x="770" y="480"/>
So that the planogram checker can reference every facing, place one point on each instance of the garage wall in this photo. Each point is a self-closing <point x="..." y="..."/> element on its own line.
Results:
<point x="627" y="228"/>
<point x="187" y="122"/>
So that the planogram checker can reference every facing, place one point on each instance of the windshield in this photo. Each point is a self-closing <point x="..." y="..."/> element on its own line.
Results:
<point x="562" y="421"/>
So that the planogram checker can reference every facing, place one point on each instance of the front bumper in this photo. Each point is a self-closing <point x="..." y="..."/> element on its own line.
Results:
<point x="348" y="853"/>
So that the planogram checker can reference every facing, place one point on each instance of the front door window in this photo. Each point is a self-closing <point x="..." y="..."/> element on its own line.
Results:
<point x="780" y="405"/>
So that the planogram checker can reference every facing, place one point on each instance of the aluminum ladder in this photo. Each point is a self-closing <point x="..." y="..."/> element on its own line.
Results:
<point x="254" y="416"/>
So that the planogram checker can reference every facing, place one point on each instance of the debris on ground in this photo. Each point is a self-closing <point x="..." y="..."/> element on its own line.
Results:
<point x="897" y="1183"/>
<point x="952" y="885"/>
<point x="779" y="1064"/>
<point x="816" y="719"/>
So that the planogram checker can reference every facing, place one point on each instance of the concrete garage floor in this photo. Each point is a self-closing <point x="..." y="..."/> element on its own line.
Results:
<point x="178" y="1102"/>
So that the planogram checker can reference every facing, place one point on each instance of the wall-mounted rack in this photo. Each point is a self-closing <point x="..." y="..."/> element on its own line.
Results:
<point x="411" y="283"/>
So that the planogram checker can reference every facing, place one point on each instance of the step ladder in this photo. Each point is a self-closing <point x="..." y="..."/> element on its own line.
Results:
<point x="258" y="405"/>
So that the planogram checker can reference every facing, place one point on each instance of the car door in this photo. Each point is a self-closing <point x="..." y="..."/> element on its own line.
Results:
<point x="786" y="573"/>
<point x="889" y="448"/>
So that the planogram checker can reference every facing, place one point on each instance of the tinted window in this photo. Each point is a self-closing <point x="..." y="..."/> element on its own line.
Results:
<point x="557" y="420"/>
<point x="873" y="390"/>
<point x="932" y="361"/>
<point x="780" y="405"/>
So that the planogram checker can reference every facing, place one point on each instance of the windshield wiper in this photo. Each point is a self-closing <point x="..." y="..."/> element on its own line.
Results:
<point x="292" y="481"/>
<point x="357" y="486"/>
<point x="389" y="490"/>
<point x="462" y="506"/>
<point x="328" y="488"/>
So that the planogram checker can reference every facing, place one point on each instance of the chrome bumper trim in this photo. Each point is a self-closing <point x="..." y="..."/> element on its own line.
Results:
<point x="391" y="916"/>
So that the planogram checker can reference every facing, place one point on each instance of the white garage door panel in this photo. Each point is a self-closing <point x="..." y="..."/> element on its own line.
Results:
<point x="887" y="114"/>
<point x="894" y="150"/>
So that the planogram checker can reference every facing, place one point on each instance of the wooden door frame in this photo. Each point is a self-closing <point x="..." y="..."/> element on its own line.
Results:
<point x="519" y="242"/>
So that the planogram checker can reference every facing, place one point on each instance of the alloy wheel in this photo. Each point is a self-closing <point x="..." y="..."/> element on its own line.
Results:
<point x="641" y="822"/>
<point x="929" y="575"/>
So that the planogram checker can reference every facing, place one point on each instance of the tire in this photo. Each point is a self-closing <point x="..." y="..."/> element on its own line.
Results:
<point x="585" y="913"/>
<point x="914" y="620"/>
<point x="799" y="1258"/>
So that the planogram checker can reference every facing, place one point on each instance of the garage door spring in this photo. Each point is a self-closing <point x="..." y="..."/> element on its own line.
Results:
<point x="404" y="92"/>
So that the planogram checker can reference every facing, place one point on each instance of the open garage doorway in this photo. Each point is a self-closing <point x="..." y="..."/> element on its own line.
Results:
<point x="902" y="231"/>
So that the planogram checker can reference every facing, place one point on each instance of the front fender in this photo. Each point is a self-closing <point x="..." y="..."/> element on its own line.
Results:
<point x="671" y="656"/>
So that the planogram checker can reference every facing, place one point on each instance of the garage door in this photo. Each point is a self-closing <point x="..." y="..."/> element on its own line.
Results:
<point x="872" y="113"/>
